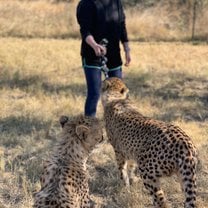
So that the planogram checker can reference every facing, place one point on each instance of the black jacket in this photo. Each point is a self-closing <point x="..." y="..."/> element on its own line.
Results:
<point x="102" y="19"/>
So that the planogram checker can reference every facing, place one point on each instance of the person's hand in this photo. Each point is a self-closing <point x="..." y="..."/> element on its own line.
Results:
<point x="99" y="50"/>
<point x="127" y="57"/>
<point x="127" y="53"/>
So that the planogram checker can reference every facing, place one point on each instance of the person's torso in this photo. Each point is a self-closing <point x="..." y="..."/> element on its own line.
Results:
<point x="106" y="24"/>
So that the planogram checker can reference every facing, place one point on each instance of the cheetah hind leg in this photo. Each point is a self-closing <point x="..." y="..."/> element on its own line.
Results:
<point x="187" y="177"/>
<point x="132" y="172"/>
<point x="152" y="184"/>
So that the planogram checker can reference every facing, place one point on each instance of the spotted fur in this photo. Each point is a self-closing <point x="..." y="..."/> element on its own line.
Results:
<point x="64" y="182"/>
<point x="159" y="148"/>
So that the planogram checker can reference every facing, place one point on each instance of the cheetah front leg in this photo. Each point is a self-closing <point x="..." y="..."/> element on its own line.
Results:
<point x="132" y="168"/>
<point x="86" y="202"/>
<point x="123" y="167"/>
<point x="152" y="184"/>
<point x="48" y="172"/>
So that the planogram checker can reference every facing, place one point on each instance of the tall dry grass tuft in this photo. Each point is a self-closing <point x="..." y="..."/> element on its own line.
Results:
<point x="166" y="21"/>
<point x="38" y="19"/>
<point x="151" y="24"/>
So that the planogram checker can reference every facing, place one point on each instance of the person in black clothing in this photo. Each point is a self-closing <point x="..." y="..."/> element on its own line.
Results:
<point x="99" y="19"/>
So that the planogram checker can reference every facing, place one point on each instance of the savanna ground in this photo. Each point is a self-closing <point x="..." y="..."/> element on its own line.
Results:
<point x="42" y="79"/>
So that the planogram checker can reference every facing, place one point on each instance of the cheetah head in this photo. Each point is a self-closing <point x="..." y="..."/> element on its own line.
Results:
<point x="88" y="130"/>
<point x="113" y="89"/>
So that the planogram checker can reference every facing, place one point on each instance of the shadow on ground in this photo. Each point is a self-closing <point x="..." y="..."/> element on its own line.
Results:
<point x="21" y="125"/>
<point x="18" y="131"/>
<point x="37" y="83"/>
<point x="177" y="95"/>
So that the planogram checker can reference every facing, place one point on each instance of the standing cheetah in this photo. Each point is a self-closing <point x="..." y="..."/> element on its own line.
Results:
<point x="159" y="149"/>
<point x="65" y="181"/>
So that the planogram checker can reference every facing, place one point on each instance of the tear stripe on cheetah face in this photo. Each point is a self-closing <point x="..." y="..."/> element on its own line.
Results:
<point x="64" y="180"/>
<point x="159" y="149"/>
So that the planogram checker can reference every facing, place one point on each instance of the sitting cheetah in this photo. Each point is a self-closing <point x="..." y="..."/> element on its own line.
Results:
<point x="65" y="181"/>
<point x="159" y="149"/>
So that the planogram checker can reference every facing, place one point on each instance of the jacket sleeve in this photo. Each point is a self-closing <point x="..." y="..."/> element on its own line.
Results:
<point x="124" y="35"/>
<point x="85" y="13"/>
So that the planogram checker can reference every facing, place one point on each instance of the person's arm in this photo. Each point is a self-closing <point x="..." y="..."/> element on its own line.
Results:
<point x="127" y="53"/>
<point x="85" y="17"/>
<point x="122" y="19"/>
<point x="124" y="36"/>
<point x="125" y="42"/>
<point x="85" y="13"/>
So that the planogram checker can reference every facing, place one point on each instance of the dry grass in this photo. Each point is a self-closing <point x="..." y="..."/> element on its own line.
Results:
<point x="165" y="22"/>
<point x="152" y="24"/>
<point x="42" y="18"/>
<point x="41" y="79"/>
<point x="38" y="19"/>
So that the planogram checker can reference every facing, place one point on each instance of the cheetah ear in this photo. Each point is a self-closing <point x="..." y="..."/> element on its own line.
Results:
<point x="63" y="120"/>
<point x="82" y="132"/>
<point x="106" y="84"/>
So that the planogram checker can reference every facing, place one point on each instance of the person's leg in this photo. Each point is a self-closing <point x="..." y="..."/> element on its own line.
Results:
<point x="93" y="80"/>
<point x="115" y="73"/>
